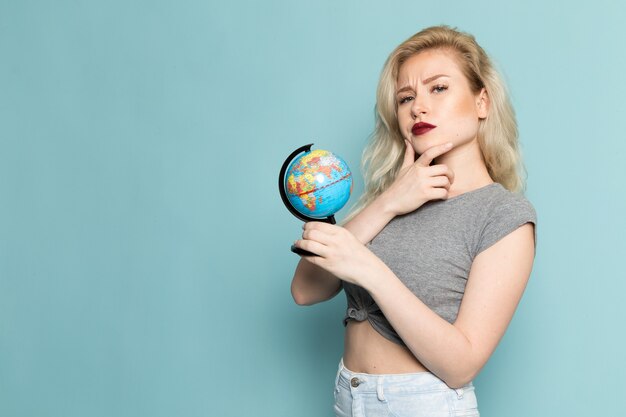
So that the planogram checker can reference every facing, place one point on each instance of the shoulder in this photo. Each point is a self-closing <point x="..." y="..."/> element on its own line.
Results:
<point x="503" y="212"/>
<point x="501" y="200"/>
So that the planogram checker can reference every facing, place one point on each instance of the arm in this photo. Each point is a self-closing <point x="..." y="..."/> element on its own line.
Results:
<point x="417" y="183"/>
<point x="457" y="352"/>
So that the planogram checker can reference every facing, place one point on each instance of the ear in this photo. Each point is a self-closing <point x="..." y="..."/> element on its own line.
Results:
<point x="482" y="104"/>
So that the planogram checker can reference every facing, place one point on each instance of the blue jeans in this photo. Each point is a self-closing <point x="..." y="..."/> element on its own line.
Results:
<point x="399" y="395"/>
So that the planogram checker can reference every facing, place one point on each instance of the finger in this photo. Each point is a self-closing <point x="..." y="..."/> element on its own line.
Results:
<point x="431" y="153"/>
<point x="440" y="181"/>
<point x="322" y="226"/>
<point x="441" y="169"/>
<point x="311" y="246"/>
<point x="439" y="193"/>
<point x="317" y="236"/>
<point x="409" y="154"/>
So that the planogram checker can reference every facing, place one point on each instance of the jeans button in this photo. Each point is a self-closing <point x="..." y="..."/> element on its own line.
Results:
<point x="355" y="382"/>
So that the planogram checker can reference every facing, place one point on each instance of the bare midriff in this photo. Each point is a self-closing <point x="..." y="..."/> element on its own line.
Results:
<point x="367" y="351"/>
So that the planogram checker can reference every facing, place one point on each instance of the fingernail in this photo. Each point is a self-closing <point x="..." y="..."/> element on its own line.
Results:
<point x="449" y="145"/>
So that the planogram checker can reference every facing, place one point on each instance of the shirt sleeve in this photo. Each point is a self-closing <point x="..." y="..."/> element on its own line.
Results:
<point x="506" y="218"/>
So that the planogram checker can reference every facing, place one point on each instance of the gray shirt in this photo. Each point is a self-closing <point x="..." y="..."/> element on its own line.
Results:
<point x="432" y="248"/>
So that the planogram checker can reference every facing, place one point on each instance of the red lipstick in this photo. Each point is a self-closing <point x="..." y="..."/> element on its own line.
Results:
<point x="421" y="128"/>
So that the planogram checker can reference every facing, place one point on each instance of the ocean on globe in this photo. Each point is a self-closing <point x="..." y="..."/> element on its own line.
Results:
<point x="318" y="183"/>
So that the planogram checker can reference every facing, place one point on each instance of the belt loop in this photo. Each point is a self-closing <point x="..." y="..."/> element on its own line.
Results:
<point x="379" y="389"/>
<point x="459" y="392"/>
<point x="339" y="369"/>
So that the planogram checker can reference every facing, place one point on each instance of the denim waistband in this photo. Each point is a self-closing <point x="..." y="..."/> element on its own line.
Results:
<point x="418" y="382"/>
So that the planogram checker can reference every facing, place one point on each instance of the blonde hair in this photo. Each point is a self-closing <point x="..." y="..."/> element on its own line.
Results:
<point x="497" y="134"/>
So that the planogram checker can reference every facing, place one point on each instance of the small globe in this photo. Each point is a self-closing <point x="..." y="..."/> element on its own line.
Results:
<point x="318" y="183"/>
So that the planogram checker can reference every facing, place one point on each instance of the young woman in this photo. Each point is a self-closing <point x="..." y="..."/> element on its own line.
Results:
<point x="436" y="256"/>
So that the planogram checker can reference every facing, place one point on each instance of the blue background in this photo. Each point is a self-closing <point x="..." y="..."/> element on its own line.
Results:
<point x="144" y="262"/>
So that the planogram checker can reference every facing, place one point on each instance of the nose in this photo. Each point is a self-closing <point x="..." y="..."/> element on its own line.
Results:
<point x="419" y="107"/>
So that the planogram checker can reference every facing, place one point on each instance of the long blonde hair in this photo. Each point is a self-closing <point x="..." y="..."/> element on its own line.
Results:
<point x="497" y="134"/>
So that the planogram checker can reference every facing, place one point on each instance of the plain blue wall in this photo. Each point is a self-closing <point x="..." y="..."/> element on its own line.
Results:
<point x="144" y="262"/>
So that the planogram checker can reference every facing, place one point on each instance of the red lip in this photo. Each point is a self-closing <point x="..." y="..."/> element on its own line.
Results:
<point x="421" y="128"/>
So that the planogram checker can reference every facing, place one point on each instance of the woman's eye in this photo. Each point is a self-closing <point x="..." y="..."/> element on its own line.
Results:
<point x="406" y="99"/>
<point x="439" y="88"/>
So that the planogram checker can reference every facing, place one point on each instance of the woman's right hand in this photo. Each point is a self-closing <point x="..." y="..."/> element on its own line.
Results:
<point x="418" y="182"/>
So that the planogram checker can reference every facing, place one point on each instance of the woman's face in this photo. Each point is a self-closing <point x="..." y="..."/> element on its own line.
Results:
<point x="432" y="89"/>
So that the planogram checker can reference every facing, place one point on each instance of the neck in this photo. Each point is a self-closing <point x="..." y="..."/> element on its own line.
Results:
<point x="468" y="165"/>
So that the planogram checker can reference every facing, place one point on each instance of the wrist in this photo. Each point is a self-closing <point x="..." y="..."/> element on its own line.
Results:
<point x="386" y="204"/>
<point x="375" y="276"/>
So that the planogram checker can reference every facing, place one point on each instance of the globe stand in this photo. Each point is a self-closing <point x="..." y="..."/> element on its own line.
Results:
<point x="283" y="195"/>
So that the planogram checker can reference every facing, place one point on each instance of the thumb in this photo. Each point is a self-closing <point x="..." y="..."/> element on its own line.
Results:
<point x="409" y="155"/>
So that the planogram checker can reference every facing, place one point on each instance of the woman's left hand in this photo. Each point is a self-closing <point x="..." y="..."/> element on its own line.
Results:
<point x="339" y="252"/>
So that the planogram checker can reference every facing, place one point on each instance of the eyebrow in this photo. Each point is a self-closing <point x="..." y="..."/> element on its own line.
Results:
<point x="426" y="81"/>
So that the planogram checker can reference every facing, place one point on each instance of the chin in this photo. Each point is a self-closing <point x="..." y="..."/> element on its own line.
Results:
<point x="423" y="144"/>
